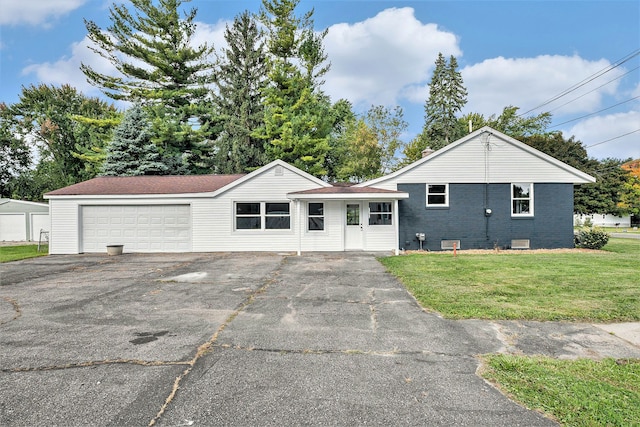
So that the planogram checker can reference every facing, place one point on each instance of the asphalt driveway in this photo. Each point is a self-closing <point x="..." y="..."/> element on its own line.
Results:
<point x="249" y="339"/>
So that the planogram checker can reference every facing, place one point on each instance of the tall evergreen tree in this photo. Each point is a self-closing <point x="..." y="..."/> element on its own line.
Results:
<point x="132" y="152"/>
<point x="241" y="81"/>
<point x="447" y="97"/>
<point x="152" y="50"/>
<point x="297" y="122"/>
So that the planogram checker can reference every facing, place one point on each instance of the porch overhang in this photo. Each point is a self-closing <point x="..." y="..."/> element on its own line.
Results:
<point x="348" y="193"/>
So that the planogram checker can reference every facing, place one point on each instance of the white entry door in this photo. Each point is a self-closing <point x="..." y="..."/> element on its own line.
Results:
<point x="354" y="230"/>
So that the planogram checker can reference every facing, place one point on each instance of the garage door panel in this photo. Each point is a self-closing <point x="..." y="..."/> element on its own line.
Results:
<point x="153" y="228"/>
<point x="13" y="227"/>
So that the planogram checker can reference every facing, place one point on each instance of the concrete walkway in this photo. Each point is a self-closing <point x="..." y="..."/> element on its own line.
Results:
<point x="251" y="339"/>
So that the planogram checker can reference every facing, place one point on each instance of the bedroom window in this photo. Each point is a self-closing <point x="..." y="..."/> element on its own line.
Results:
<point x="316" y="217"/>
<point x="521" y="199"/>
<point x="263" y="216"/>
<point x="380" y="213"/>
<point x="438" y="195"/>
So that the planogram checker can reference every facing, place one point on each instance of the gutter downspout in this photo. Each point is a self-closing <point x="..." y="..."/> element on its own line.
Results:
<point x="396" y="226"/>
<point x="299" y="227"/>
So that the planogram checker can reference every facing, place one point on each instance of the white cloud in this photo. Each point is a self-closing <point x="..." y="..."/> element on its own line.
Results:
<point x="66" y="70"/>
<point x="528" y="82"/>
<point x="384" y="58"/>
<point x="603" y="128"/>
<point x="35" y="12"/>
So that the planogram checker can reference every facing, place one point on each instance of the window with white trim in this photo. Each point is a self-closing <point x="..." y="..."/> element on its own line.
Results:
<point x="263" y="216"/>
<point x="380" y="213"/>
<point x="521" y="199"/>
<point x="437" y="195"/>
<point x="315" y="216"/>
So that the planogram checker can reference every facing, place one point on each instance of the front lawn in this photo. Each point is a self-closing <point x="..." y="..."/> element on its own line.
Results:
<point x="587" y="286"/>
<point x="590" y="286"/>
<point x="15" y="253"/>
<point x="575" y="392"/>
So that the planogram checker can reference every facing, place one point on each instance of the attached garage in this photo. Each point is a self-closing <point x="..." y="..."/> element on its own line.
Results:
<point x="140" y="228"/>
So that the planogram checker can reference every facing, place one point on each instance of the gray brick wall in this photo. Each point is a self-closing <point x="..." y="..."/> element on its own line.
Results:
<point x="464" y="219"/>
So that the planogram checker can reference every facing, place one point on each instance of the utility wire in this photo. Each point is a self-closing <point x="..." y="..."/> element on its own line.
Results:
<point x="593" y="90"/>
<point x="585" y="81"/>
<point x="596" y="112"/>
<point x="611" y="139"/>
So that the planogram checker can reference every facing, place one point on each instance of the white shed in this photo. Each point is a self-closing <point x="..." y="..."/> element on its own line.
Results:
<point x="22" y="221"/>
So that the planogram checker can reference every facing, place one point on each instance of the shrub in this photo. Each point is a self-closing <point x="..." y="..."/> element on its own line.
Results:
<point x="591" y="238"/>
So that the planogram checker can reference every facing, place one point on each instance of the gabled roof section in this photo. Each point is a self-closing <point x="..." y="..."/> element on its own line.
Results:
<point x="23" y="202"/>
<point x="486" y="155"/>
<point x="268" y="167"/>
<point x="146" y="184"/>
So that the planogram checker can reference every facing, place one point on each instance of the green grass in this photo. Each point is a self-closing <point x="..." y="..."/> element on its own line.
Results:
<point x="575" y="392"/>
<point x="15" y="253"/>
<point x="596" y="286"/>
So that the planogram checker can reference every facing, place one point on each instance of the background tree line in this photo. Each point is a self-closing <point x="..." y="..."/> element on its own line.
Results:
<point x="193" y="110"/>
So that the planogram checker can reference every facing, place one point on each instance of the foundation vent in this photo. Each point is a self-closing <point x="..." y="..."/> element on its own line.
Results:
<point x="520" y="244"/>
<point x="448" y="244"/>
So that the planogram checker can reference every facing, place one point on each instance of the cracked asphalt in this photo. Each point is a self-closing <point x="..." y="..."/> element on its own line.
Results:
<point x="251" y="339"/>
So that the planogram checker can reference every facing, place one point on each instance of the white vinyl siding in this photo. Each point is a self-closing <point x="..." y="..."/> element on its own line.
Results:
<point x="270" y="186"/>
<point x="63" y="236"/>
<point x="471" y="163"/>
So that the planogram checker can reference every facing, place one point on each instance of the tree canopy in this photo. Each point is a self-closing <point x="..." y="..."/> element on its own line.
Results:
<point x="156" y="64"/>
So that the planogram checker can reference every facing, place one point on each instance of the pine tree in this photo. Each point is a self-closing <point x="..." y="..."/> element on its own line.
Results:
<point x="132" y="152"/>
<point x="447" y="97"/>
<point x="241" y="82"/>
<point x="297" y="122"/>
<point x="158" y="67"/>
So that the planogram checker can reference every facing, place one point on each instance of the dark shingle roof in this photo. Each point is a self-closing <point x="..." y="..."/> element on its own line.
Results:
<point x="147" y="184"/>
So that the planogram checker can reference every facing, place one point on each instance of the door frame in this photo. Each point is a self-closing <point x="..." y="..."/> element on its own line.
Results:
<point x="354" y="234"/>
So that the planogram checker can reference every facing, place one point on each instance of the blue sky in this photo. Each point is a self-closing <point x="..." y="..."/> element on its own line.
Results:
<point x="519" y="53"/>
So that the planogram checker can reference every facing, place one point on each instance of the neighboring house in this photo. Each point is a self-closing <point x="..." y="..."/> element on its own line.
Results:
<point x="486" y="190"/>
<point x="22" y="221"/>
<point x="602" y="220"/>
<point x="481" y="191"/>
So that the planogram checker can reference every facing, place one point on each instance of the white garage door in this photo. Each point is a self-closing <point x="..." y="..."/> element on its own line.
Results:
<point x="13" y="227"/>
<point x="39" y="222"/>
<point x="152" y="228"/>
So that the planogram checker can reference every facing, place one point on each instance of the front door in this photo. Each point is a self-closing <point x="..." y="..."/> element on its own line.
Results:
<point x="354" y="232"/>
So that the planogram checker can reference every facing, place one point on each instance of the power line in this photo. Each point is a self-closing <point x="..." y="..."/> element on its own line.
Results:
<point x="585" y="81"/>
<point x="596" y="112"/>
<point x="611" y="139"/>
<point x="593" y="90"/>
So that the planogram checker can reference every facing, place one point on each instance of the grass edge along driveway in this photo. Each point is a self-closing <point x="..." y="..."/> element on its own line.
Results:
<point x="591" y="286"/>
